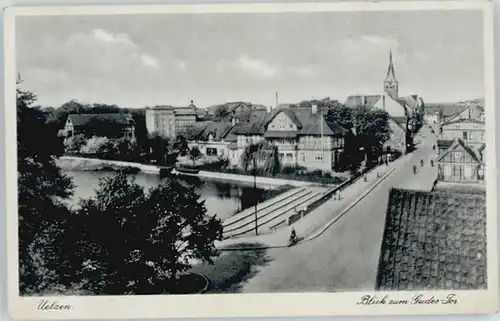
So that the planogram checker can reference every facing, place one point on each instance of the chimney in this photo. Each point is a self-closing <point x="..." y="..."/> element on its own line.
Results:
<point x="233" y="121"/>
<point x="269" y="109"/>
<point x="276" y="99"/>
<point x="364" y="100"/>
<point x="314" y="109"/>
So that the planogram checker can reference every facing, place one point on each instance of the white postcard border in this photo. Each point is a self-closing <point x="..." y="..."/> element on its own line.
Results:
<point x="245" y="305"/>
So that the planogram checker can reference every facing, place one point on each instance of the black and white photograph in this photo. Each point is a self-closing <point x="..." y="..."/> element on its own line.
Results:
<point x="206" y="152"/>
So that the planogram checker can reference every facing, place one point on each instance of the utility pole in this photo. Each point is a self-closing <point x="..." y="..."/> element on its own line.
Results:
<point x="255" y="192"/>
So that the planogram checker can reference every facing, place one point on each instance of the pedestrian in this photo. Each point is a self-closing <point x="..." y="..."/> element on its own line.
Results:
<point x="378" y="175"/>
<point x="365" y="178"/>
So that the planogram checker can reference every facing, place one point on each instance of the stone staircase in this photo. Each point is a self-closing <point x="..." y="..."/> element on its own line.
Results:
<point x="272" y="213"/>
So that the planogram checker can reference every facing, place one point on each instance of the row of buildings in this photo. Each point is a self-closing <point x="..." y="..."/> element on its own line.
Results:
<point x="461" y="145"/>
<point x="303" y="135"/>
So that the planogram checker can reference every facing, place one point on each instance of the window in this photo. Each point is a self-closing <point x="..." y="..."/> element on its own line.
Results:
<point x="447" y="169"/>
<point x="468" y="171"/>
<point x="457" y="156"/>
<point x="303" y="158"/>
<point x="457" y="171"/>
<point x="464" y="135"/>
<point x="211" y="151"/>
<point x="482" y="135"/>
<point x="289" y="156"/>
<point x="319" y="156"/>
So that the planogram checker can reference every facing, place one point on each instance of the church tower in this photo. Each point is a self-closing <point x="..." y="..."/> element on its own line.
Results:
<point x="390" y="82"/>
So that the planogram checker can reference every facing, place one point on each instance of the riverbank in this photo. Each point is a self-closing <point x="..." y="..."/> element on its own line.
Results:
<point x="74" y="163"/>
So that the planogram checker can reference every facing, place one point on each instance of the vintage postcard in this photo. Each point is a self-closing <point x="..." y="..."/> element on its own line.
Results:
<point x="251" y="160"/>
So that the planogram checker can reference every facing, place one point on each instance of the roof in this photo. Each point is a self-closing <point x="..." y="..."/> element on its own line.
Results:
<point x="188" y="110"/>
<point x="356" y="101"/>
<point x="280" y="134"/>
<point x="116" y="118"/>
<point x="464" y="120"/>
<point x="449" y="109"/>
<point x="433" y="240"/>
<point x="202" y="130"/>
<point x="235" y="107"/>
<point x="400" y="121"/>
<point x="309" y="123"/>
<point x="254" y="125"/>
<point x="459" y="142"/>
<point x="444" y="143"/>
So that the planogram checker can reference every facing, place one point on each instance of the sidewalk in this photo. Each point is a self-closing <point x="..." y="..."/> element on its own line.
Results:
<point x="319" y="219"/>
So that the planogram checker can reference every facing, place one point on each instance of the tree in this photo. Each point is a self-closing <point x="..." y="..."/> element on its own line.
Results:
<point x="261" y="156"/>
<point x="194" y="154"/>
<point x="181" y="145"/>
<point x="372" y="129"/>
<point x="160" y="147"/>
<point x="97" y="145"/>
<point x="155" y="236"/>
<point x="341" y="115"/>
<point x="74" y="143"/>
<point x="42" y="214"/>
<point x="221" y="112"/>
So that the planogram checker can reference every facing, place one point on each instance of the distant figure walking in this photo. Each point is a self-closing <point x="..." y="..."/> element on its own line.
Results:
<point x="365" y="178"/>
<point x="432" y="163"/>
<point x="433" y="147"/>
<point x="414" y="169"/>
<point x="293" y="238"/>
<point x="422" y="163"/>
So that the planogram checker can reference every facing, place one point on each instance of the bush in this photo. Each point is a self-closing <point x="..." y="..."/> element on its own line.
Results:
<point x="96" y="145"/>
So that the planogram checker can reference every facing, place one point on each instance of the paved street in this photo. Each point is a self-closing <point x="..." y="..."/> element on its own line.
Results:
<point x="346" y="256"/>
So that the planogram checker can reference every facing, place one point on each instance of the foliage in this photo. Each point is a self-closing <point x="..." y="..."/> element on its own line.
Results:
<point x="41" y="189"/>
<point x="221" y="112"/>
<point x="74" y="143"/>
<point x="104" y="128"/>
<point x="155" y="235"/>
<point x="341" y="115"/>
<point x="262" y="157"/>
<point x="96" y="145"/>
<point x="234" y="268"/>
<point x="181" y="145"/>
<point x="194" y="154"/>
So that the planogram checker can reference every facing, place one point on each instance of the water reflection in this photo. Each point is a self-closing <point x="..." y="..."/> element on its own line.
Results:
<point x="221" y="198"/>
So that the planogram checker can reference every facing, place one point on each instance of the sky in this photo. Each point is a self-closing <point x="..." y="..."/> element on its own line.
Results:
<point x="146" y="60"/>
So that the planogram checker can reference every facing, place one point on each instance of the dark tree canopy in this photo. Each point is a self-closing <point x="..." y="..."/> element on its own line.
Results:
<point x="41" y="190"/>
<point x="155" y="235"/>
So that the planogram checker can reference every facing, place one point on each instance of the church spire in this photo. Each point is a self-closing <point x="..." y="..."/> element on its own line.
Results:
<point x="390" y="70"/>
<point x="390" y="83"/>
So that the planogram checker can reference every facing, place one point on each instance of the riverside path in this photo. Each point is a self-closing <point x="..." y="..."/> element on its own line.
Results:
<point x="345" y="256"/>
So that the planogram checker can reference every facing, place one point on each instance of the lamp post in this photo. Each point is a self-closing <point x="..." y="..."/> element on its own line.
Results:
<point x="255" y="192"/>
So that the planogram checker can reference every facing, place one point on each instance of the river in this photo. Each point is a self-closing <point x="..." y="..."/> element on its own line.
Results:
<point x="221" y="198"/>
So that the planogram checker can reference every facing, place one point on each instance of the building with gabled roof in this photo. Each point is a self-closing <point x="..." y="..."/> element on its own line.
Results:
<point x="460" y="163"/>
<point x="433" y="241"/>
<point x="302" y="135"/>
<point x="101" y="124"/>
<point x="471" y="131"/>
<point x="212" y="138"/>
